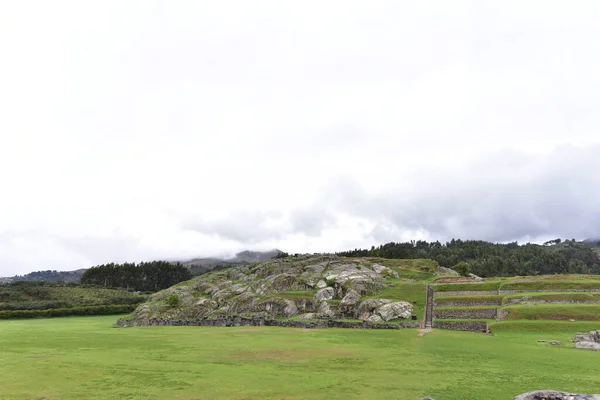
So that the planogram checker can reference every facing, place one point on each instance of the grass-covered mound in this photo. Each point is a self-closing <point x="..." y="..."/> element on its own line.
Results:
<point x="86" y="358"/>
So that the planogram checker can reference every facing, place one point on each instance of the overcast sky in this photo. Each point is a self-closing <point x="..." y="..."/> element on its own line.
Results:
<point x="137" y="130"/>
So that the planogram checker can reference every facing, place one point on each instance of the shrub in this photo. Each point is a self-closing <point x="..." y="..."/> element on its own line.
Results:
<point x="173" y="300"/>
<point x="462" y="268"/>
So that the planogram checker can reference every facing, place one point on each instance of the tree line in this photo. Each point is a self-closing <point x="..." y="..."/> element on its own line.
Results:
<point x="144" y="277"/>
<point x="494" y="259"/>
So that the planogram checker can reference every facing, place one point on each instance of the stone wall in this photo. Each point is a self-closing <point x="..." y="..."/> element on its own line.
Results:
<point x="465" y="293"/>
<point x="239" y="321"/>
<point x="470" y="326"/>
<point x="467" y="304"/>
<point x="547" y="290"/>
<point x="464" y="314"/>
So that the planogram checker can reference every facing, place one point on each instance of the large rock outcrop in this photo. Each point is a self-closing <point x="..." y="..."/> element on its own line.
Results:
<point x="587" y="341"/>
<point x="554" y="395"/>
<point x="323" y="286"/>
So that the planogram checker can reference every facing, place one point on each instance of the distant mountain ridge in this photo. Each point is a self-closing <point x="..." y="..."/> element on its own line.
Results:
<point x="594" y="242"/>
<point x="197" y="266"/>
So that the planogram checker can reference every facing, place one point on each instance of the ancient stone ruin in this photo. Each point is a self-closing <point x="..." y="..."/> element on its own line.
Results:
<point x="554" y="395"/>
<point x="587" y="341"/>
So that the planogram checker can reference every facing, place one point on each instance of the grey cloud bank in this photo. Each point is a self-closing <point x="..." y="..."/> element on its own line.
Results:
<point x="141" y="130"/>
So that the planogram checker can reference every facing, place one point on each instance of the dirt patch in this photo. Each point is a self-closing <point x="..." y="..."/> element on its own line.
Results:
<point x="422" y="332"/>
<point x="251" y="329"/>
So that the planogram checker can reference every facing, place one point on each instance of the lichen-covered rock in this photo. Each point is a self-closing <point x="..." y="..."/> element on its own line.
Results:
<point x="374" y="318"/>
<point x="325" y="294"/>
<point x="290" y="308"/>
<point x="307" y="316"/>
<point x="325" y="310"/>
<point x="368" y="307"/>
<point x="587" y="341"/>
<point x="476" y="278"/>
<point x="554" y="395"/>
<point x="446" y="271"/>
<point x="588" y="346"/>
<point x="349" y="302"/>
<point x="260" y="289"/>
<point x="400" y="309"/>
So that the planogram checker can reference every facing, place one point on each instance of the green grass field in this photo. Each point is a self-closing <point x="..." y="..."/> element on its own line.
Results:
<point x="86" y="358"/>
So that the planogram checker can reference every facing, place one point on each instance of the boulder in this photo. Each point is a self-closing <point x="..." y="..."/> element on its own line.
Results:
<point x="446" y="271"/>
<point x="307" y="316"/>
<point x="325" y="294"/>
<point x="401" y="309"/>
<point x="375" y="318"/>
<point x="587" y="341"/>
<point x="324" y="309"/>
<point x="588" y="346"/>
<point x="290" y="308"/>
<point x="554" y="395"/>
<point x="349" y="302"/>
<point x="368" y="307"/>
<point x="476" y="278"/>
<point x="321" y="284"/>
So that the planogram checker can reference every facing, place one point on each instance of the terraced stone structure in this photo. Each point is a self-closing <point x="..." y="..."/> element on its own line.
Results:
<point x="567" y="298"/>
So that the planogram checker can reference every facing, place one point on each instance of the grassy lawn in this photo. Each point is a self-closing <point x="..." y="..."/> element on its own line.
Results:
<point x="551" y="297"/>
<point x="577" y="312"/>
<point x="468" y="299"/>
<point x="554" y="285"/>
<point x="85" y="358"/>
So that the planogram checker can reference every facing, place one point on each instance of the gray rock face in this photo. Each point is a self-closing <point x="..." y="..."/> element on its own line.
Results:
<point x="587" y="341"/>
<point x="375" y="318"/>
<point x="349" y="302"/>
<point x="588" y="346"/>
<point x="260" y="289"/>
<point x="384" y="309"/>
<point x="477" y="278"/>
<point x="554" y="395"/>
<point x="325" y="310"/>
<point x="446" y="271"/>
<point x="290" y="308"/>
<point x="401" y="309"/>
<point x="327" y="293"/>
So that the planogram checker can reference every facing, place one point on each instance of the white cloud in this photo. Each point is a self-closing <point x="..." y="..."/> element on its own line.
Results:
<point x="307" y="126"/>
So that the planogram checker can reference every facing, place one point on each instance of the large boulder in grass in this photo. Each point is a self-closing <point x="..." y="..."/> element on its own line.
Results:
<point x="587" y="341"/>
<point x="554" y="395"/>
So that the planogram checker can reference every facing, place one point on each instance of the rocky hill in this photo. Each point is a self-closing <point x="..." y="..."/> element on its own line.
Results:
<point x="303" y="287"/>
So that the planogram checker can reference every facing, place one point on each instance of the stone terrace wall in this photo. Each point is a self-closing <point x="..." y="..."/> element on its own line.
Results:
<point x="465" y="293"/>
<point x="467" y="304"/>
<point x="238" y="321"/>
<point x="470" y="326"/>
<point x="465" y="314"/>
<point x="547" y="290"/>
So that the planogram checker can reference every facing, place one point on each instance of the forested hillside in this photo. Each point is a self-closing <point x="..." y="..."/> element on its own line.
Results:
<point x="493" y="259"/>
<point x="145" y="276"/>
<point x="50" y="276"/>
